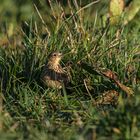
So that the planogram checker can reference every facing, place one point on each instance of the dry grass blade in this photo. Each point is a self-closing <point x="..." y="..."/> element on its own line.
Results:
<point x="108" y="97"/>
<point x="43" y="22"/>
<point x="112" y="76"/>
<point x="126" y="89"/>
<point x="108" y="74"/>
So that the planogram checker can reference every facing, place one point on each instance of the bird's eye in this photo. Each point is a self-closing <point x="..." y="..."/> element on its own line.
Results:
<point x="54" y="54"/>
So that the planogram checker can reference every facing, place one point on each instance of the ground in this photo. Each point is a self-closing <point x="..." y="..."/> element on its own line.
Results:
<point x="29" y="110"/>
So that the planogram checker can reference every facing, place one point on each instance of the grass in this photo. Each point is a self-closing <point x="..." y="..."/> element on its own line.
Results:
<point x="32" y="111"/>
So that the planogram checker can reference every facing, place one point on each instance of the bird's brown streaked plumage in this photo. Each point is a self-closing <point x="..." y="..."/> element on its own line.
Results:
<point x="53" y="74"/>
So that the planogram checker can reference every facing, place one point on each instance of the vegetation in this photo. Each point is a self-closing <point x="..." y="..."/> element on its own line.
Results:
<point x="28" y="33"/>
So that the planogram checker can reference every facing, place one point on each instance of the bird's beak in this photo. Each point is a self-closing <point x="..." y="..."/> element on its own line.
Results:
<point x="60" y="54"/>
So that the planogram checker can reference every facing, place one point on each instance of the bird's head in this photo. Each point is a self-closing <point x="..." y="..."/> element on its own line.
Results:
<point x="54" y="58"/>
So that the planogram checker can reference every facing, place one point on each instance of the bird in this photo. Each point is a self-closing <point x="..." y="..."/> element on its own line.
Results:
<point x="53" y="75"/>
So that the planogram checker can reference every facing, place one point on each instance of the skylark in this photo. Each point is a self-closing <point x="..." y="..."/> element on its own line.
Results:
<point x="53" y="75"/>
